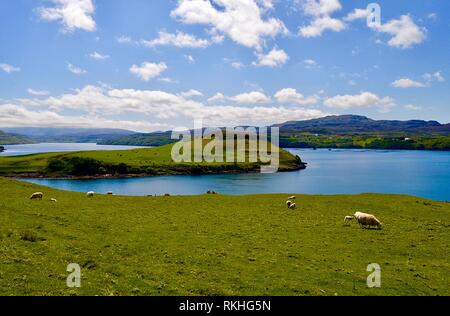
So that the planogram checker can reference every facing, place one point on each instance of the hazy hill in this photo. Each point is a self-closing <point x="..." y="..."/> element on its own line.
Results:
<point x="11" y="139"/>
<point x="79" y="135"/>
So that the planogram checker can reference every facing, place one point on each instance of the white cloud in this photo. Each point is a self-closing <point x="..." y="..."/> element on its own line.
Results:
<point x="357" y="14"/>
<point x="406" y="83"/>
<point x="179" y="39"/>
<point x="98" y="56"/>
<point x="319" y="25"/>
<point x="97" y="105"/>
<point x="320" y="11"/>
<point x="253" y="97"/>
<point x="123" y="39"/>
<point x="405" y="33"/>
<point x="437" y="76"/>
<point x="167" y="80"/>
<point x="148" y="70"/>
<point x="362" y="100"/>
<point x="240" y="20"/>
<point x="310" y="64"/>
<point x="191" y="93"/>
<point x="73" y="14"/>
<point x="17" y="116"/>
<point x="290" y="95"/>
<point x="8" y="68"/>
<point x="190" y="59"/>
<point x="217" y="97"/>
<point x="412" y="107"/>
<point x="76" y="70"/>
<point x="37" y="92"/>
<point x="275" y="58"/>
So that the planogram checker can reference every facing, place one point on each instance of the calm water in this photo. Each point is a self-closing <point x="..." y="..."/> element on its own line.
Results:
<point x="420" y="173"/>
<point x="17" y="150"/>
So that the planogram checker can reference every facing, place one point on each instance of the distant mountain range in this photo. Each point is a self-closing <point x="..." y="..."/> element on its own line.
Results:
<point x="67" y="135"/>
<point x="345" y="124"/>
<point x="345" y="131"/>
<point x="330" y="125"/>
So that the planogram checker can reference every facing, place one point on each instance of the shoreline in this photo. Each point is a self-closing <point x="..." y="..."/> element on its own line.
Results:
<point x="130" y="175"/>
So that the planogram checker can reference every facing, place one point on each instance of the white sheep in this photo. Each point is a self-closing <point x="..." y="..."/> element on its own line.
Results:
<point x="292" y="206"/>
<point x="53" y="200"/>
<point x="90" y="194"/>
<point x="37" y="196"/>
<point x="369" y="220"/>
<point x="292" y="197"/>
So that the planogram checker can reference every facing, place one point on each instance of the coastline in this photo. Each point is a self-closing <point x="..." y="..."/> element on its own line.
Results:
<point x="301" y="166"/>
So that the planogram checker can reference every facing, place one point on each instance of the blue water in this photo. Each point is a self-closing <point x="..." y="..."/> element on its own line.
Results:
<point x="27" y="149"/>
<point x="420" y="173"/>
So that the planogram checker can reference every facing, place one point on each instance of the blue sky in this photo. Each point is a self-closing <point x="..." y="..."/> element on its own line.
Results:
<point x="156" y="65"/>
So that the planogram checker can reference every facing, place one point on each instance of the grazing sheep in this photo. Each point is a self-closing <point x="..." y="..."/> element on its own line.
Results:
<point x="288" y="203"/>
<point x="292" y="197"/>
<point x="211" y="192"/>
<point x="37" y="196"/>
<point x="167" y="194"/>
<point x="90" y="194"/>
<point x="53" y="200"/>
<point x="292" y="206"/>
<point x="367" y="220"/>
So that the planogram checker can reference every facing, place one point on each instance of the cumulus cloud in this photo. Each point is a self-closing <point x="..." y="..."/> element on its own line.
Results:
<point x="405" y="33"/>
<point x="242" y="21"/>
<point x="147" y="71"/>
<point x="72" y="14"/>
<point x="179" y="39"/>
<point x="98" y="104"/>
<point x="8" y="68"/>
<point x="406" y="83"/>
<point x="275" y="58"/>
<point x="291" y="96"/>
<point x="362" y="100"/>
<point x="18" y="116"/>
<point x="76" y="70"/>
<point x="320" y="12"/>
<point x="98" y="56"/>
<point x="191" y="93"/>
<point x="37" y="92"/>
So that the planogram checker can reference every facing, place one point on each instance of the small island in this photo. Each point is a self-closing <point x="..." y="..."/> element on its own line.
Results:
<point x="127" y="163"/>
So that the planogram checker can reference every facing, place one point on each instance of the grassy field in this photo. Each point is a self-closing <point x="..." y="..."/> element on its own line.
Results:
<point x="148" y="161"/>
<point x="219" y="245"/>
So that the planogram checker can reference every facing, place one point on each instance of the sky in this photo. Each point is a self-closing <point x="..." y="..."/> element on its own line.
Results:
<point x="161" y="64"/>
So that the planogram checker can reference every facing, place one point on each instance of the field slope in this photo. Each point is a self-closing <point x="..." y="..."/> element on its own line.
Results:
<point x="143" y="161"/>
<point x="224" y="245"/>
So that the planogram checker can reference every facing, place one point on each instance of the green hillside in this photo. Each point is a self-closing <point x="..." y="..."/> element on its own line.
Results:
<point x="144" y="161"/>
<point x="219" y="245"/>
<point x="12" y="139"/>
